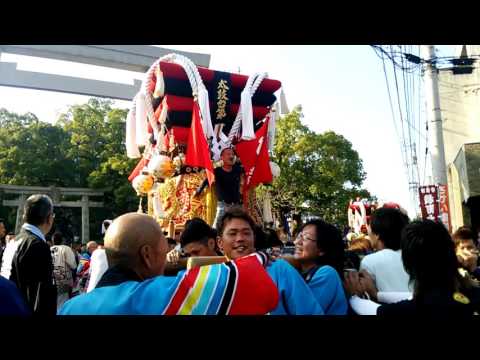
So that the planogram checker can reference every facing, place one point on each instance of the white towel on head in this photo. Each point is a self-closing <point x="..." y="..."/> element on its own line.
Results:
<point x="98" y="267"/>
<point x="104" y="228"/>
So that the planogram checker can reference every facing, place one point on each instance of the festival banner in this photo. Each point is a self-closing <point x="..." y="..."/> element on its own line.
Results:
<point x="429" y="202"/>
<point x="444" y="210"/>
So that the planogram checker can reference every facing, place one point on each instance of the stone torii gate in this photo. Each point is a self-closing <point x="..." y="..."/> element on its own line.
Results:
<point x="137" y="58"/>
<point x="56" y="193"/>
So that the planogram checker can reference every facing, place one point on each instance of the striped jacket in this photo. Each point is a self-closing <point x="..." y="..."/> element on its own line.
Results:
<point x="239" y="287"/>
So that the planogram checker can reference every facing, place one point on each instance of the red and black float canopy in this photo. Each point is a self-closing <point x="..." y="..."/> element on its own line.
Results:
<point x="179" y="99"/>
<point x="172" y="101"/>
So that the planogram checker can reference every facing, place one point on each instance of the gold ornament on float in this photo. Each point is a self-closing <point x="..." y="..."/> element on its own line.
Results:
<point x="143" y="183"/>
<point x="178" y="161"/>
<point x="161" y="167"/>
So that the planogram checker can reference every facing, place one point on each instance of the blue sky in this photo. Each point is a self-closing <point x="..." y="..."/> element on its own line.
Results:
<point x="340" y="88"/>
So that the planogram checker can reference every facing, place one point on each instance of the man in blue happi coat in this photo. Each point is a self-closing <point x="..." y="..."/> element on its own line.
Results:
<point x="236" y="239"/>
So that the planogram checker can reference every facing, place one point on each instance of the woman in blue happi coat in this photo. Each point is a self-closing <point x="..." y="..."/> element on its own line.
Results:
<point x="319" y="253"/>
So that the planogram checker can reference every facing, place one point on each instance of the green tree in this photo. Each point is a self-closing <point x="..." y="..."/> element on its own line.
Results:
<point x="85" y="148"/>
<point x="320" y="173"/>
<point x="32" y="152"/>
<point x="97" y="133"/>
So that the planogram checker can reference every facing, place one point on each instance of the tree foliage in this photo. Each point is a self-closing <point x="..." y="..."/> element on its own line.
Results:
<point x="320" y="173"/>
<point x="32" y="152"/>
<point x="97" y="147"/>
<point x="84" y="148"/>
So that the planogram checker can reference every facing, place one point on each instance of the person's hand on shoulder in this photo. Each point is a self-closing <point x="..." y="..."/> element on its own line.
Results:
<point x="352" y="284"/>
<point x="291" y="260"/>
<point x="275" y="254"/>
<point x="173" y="256"/>
<point x="268" y="258"/>
<point x="368" y="284"/>
<point x="468" y="259"/>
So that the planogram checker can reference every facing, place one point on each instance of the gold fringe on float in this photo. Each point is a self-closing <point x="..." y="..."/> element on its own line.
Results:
<point x="140" y="207"/>
<point x="178" y="202"/>
<point x="253" y="209"/>
<point x="211" y="208"/>
<point x="150" y="211"/>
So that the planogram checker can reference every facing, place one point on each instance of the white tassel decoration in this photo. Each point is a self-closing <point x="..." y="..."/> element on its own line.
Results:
<point x="271" y="129"/>
<point x="246" y="108"/>
<point x="267" y="209"/>
<point x="130" y="140"/>
<point x="141" y="119"/>
<point x="159" y="85"/>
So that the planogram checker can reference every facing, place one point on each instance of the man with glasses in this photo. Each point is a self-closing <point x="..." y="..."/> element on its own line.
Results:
<point x="32" y="268"/>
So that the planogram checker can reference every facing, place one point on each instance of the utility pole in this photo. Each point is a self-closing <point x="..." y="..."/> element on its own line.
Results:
<point x="437" y="149"/>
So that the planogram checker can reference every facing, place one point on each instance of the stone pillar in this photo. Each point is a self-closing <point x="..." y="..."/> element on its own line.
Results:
<point x="85" y="220"/>
<point x="21" y="205"/>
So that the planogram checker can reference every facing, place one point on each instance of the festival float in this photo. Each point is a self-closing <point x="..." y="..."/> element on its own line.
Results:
<point x="179" y="123"/>
<point x="360" y="212"/>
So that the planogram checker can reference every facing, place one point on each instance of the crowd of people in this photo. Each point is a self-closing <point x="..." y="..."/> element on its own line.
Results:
<point x="398" y="267"/>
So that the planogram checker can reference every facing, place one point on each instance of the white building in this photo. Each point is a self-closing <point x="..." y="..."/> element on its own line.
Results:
<point x="459" y="88"/>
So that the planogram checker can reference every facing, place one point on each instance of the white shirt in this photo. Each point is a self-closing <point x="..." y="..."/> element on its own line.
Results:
<point x="63" y="255"/>
<point x="8" y="254"/>
<point x="369" y="307"/>
<point x="11" y="249"/>
<point x="98" y="267"/>
<point x="393" y="297"/>
<point x="64" y="262"/>
<point x="386" y="268"/>
<point x="363" y="306"/>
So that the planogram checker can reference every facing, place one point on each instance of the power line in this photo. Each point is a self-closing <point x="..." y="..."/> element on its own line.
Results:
<point x="417" y="61"/>
<point x="417" y="145"/>
<point x="410" y="119"/>
<point x="391" y="55"/>
<point x="382" y="57"/>
<point x="399" y="138"/>
<point x="400" y="113"/>
<point x="419" y="100"/>
<point x="390" y="100"/>
<point x="413" y="117"/>
<point x="410" y="150"/>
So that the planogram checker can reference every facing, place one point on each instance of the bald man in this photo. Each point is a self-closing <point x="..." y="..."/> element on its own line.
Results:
<point x="133" y="284"/>
<point x="91" y="247"/>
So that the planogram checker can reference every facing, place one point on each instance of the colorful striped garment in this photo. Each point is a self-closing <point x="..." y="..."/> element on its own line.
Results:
<point x="240" y="287"/>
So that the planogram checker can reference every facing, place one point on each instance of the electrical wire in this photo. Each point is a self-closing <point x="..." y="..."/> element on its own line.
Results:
<point x="411" y="138"/>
